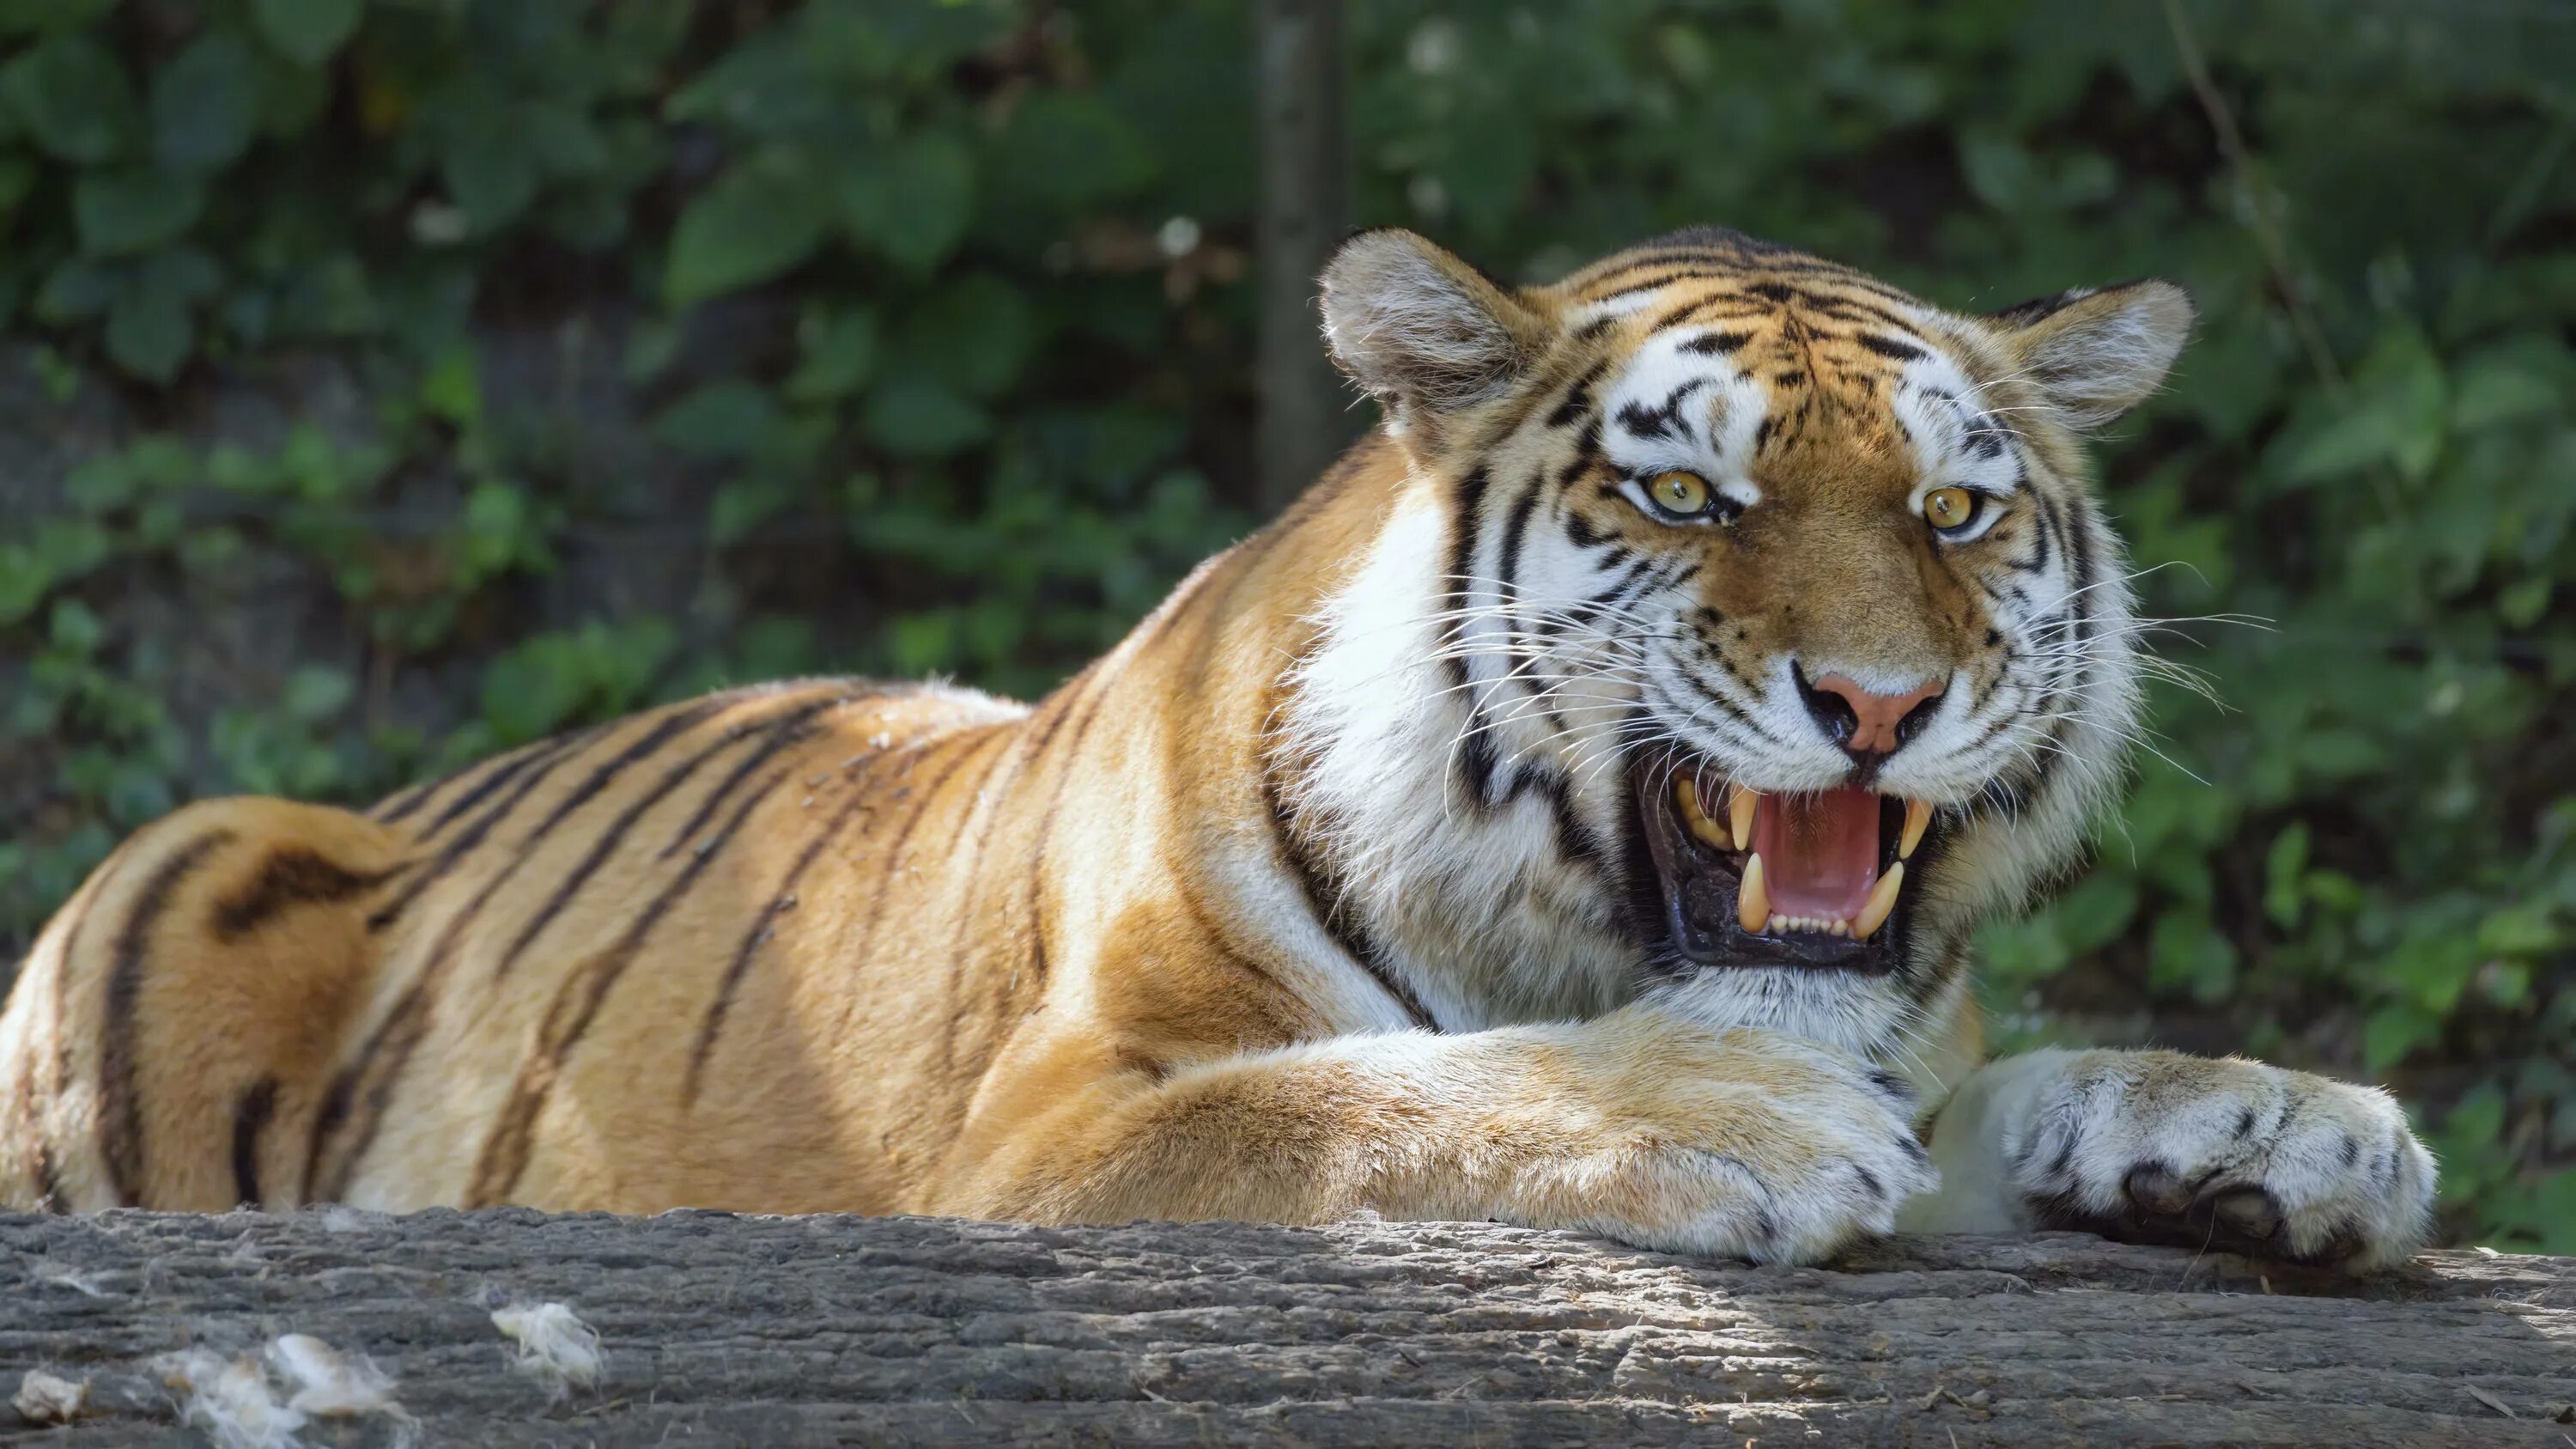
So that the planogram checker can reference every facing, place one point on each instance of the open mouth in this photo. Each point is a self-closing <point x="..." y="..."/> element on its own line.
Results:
<point x="1750" y="879"/>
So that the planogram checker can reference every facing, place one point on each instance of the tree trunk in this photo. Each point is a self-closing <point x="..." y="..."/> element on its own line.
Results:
<point x="1303" y="420"/>
<point x="735" y="1330"/>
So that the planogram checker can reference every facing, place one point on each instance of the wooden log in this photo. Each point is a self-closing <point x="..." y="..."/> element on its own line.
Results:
<point x="719" y="1329"/>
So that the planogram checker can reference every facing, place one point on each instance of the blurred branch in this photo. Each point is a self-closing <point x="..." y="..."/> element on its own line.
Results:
<point x="2259" y="218"/>
<point x="1303" y="208"/>
<point x="2517" y="205"/>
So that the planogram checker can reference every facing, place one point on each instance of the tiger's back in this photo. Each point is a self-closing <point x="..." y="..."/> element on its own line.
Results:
<point x="258" y="1001"/>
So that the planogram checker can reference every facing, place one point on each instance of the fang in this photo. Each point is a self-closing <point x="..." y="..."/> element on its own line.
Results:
<point x="1882" y="900"/>
<point x="1752" y="899"/>
<point x="1918" y="817"/>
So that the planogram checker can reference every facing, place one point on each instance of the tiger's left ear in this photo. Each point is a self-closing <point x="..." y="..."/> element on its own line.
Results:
<point x="2097" y="353"/>
<point x="1423" y="330"/>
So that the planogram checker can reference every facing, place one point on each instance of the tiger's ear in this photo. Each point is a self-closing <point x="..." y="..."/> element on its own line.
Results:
<point x="1423" y="330"/>
<point x="2097" y="353"/>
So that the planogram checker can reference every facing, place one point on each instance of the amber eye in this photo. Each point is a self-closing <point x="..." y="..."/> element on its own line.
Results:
<point x="1950" y="509"/>
<point x="1680" y="492"/>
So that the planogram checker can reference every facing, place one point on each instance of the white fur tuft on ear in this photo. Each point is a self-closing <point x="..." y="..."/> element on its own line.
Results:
<point x="2098" y="353"/>
<point x="1417" y="326"/>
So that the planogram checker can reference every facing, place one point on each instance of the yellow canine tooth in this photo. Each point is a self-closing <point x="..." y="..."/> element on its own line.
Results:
<point x="1882" y="899"/>
<point x="1752" y="899"/>
<point x="1697" y="819"/>
<point x="1918" y="818"/>
<point x="1739" y="810"/>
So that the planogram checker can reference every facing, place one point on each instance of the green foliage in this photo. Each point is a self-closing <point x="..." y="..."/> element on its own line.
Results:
<point x="411" y="379"/>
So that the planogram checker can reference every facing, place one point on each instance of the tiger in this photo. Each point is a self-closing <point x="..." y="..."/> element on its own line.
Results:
<point x="1575" y="811"/>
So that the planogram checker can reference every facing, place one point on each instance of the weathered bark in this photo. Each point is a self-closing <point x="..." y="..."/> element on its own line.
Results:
<point x="721" y="1329"/>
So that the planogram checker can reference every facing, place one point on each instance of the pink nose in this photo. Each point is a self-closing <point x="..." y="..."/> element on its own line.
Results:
<point x="1875" y="716"/>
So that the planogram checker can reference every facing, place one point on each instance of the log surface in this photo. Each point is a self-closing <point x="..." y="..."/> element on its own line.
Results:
<point x="720" y="1329"/>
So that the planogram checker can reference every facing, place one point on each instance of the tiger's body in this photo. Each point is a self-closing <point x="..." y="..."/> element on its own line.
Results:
<point x="1352" y="878"/>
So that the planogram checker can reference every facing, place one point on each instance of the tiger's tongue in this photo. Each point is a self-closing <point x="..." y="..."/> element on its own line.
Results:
<point x="1819" y="852"/>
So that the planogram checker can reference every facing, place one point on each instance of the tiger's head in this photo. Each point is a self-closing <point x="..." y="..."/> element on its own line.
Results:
<point x="1781" y="591"/>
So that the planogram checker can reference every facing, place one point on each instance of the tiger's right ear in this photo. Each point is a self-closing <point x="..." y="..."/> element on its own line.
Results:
<point x="1423" y="330"/>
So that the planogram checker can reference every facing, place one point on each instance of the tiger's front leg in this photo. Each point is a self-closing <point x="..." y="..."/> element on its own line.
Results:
<point x="1640" y="1125"/>
<point x="2160" y="1147"/>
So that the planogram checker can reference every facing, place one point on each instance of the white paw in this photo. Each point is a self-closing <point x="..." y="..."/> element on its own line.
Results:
<point x="1741" y="1144"/>
<point x="2156" y="1146"/>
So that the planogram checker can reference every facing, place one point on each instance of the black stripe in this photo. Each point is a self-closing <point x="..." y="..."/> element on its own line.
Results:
<point x="1059" y="708"/>
<point x="505" y="1153"/>
<point x="605" y="844"/>
<point x="959" y="941"/>
<point x="293" y="876"/>
<point x="397" y="1035"/>
<point x="402" y="806"/>
<point x="1464" y="525"/>
<point x="1515" y="535"/>
<point x="120" y="1107"/>
<point x="1888" y="347"/>
<point x="503" y="771"/>
<point x="250" y="1119"/>
<point x="762" y="926"/>
<point x="1616" y="595"/>
<point x="1725" y="307"/>
<point x="922" y="801"/>
<point x="1717" y="344"/>
<point x="1733" y="263"/>
<point x="1574" y="839"/>
<point x="1578" y="398"/>
<point x="49" y="1185"/>
<point x="1477" y="760"/>
<point x="795" y="732"/>
<point x="1322" y="890"/>
<point x="471" y="838"/>
<point x="651" y="743"/>
<point x="2039" y="550"/>
<point x="1661" y="421"/>
<point x="398" y="807"/>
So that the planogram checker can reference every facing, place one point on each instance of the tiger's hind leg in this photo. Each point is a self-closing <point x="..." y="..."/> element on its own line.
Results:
<point x="171" y="1032"/>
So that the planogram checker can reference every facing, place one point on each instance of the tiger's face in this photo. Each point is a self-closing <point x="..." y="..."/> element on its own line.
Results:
<point x="1790" y="580"/>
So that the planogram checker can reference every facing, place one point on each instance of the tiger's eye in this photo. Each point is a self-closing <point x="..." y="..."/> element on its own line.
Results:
<point x="1949" y="507"/>
<point x="1680" y="492"/>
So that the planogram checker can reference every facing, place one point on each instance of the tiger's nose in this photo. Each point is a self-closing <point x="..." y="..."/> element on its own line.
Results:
<point x="1863" y="721"/>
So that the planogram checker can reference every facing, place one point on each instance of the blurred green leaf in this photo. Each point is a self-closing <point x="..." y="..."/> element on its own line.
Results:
<point x="308" y="31"/>
<point x="75" y="98"/>
<point x="760" y="218"/>
<point x="911" y="200"/>
<point x="730" y="419"/>
<point x="973" y="334"/>
<point x="123" y="212"/>
<point x="205" y="103"/>
<point x="840" y="354"/>
<point x="918" y="417"/>
<point x="1069" y="149"/>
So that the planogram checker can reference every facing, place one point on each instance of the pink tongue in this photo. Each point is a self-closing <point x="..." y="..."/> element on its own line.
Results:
<point x="1819" y="852"/>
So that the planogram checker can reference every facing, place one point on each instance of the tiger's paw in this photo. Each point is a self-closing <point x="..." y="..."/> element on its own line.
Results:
<point x="1736" y="1144"/>
<point x="2159" y="1147"/>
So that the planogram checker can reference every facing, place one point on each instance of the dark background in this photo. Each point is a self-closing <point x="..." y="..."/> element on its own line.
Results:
<point x="385" y="383"/>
